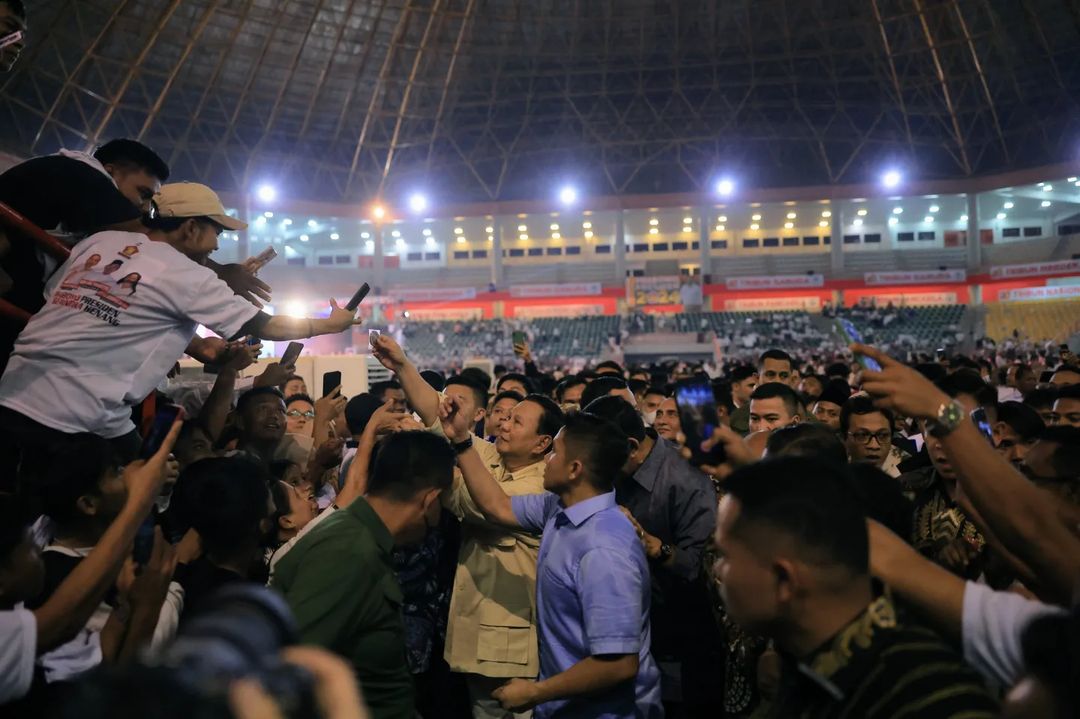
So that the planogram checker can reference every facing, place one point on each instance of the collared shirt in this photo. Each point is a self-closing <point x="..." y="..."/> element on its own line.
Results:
<point x="673" y="501"/>
<point x="492" y="624"/>
<point x="876" y="668"/>
<point x="938" y="521"/>
<point x="592" y="596"/>
<point x="340" y="584"/>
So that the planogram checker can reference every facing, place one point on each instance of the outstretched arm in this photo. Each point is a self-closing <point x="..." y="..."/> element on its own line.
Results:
<point x="485" y="491"/>
<point x="421" y="396"/>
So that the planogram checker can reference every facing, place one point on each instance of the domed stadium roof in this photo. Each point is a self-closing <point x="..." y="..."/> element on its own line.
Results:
<point x="344" y="100"/>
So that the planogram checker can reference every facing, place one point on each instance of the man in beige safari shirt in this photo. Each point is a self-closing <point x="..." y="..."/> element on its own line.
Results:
<point x="491" y="634"/>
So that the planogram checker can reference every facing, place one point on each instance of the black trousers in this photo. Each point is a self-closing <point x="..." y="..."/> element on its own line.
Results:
<point x="26" y="447"/>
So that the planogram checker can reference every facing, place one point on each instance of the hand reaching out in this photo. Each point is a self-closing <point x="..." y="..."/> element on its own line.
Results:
<point x="455" y="422"/>
<point x="342" y="318"/>
<point x="244" y="283"/>
<point x="388" y="352"/>
<point x="899" y="387"/>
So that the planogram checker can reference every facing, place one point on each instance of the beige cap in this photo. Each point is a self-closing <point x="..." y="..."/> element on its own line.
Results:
<point x="190" y="199"/>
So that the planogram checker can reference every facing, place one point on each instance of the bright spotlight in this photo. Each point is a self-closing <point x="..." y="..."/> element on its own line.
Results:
<point x="266" y="193"/>
<point x="891" y="178"/>
<point x="378" y="212"/>
<point x="725" y="187"/>
<point x="568" y="195"/>
<point x="418" y="202"/>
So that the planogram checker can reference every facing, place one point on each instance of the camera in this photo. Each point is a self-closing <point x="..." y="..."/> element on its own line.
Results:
<point x="239" y="631"/>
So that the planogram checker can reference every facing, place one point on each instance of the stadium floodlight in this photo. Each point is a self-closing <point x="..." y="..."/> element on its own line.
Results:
<point x="378" y="211"/>
<point x="891" y="178"/>
<point x="568" y="195"/>
<point x="418" y="202"/>
<point x="266" y="193"/>
<point x="335" y="236"/>
<point x="725" y="186"/>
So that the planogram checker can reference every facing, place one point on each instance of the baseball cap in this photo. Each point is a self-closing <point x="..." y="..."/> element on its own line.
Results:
<point x="190" y="199"/>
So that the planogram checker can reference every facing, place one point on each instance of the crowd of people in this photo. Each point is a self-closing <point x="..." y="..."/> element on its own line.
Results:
<point x="835" y="533"/>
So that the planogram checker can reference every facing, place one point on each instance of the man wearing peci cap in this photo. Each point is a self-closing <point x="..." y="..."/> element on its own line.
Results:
<point x="831" y="402"/>
<point x="96" y="349"/>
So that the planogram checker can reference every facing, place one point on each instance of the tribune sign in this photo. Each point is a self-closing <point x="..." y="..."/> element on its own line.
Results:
<point x="1035" y="268"/>
<point x="1053" y="292"/>
<point x="435" y="294"/>
<point x="914" y="278"/>
<point x="567" y="290"/>
<point x="775" y="282"/>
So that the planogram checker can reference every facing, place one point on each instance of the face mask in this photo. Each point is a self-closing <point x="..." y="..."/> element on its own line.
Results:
<point x="649" y="417"/>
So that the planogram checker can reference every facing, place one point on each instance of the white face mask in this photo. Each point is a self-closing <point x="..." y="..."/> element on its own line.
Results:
<point x="649" y="418"/>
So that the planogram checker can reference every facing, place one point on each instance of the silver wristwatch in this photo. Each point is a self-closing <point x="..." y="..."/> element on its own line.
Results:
<point x="949" y="416"/>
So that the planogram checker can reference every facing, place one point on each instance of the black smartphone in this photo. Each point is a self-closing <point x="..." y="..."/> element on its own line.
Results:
<point x="978" y="416"/>
<point x="939" y="354"/>
<point x="159" y="429"/>
<point x="1046" y="376"/>
<point x="519" y="338"/>
<point x="852" y="335"/>
<point x="698" y="417"/>
<point x="292" y="353"/>
<point x="358" y="297"/>
<point x="330" y="380"/>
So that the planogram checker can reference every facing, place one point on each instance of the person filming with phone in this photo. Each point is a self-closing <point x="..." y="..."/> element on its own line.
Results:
<point x="91" y="354"/>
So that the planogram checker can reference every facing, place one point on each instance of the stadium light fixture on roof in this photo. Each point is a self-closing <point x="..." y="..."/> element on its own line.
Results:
<point x="823" y="223"/>
<point x="1001" y="215"/>
<point x="1008" y="205"/>
<point x="755" y="217"/>
<point x="369" y="244"/>
<point x="287" y="221"/>
<point x="725" y="187"/>
<point x="1047" y="188"/>
<point x="893" y="221"/>
<point x="365" y="235"/>
<point x="934" y="208"/>
<point x="826" y="213"/>
<point x="426" y="232"/>
<point x="791" y="215"/>
<point x="861" y="213"/>
<point x="260" y="221"/>
<point x="266" y="193"/>
<point x="929" y="219"/>
<point x="891" y="178"/>
<point x="1044" y="203"/>
<point x="897" y="210"/>
<point x="489" y="230"/>
<point x="418" y="202"/>
<point x="312" y="224"/>
<point x="1071" y="179"/>
<point x="568" y="195"/>
<point x="588" y="234"/>
<point x="268" y="215"/>
<point x="378" y="211"/>
<point x="963" y="218"/>
<point x="304" y="238"/>
<point x="857" y="222"/>
<point x="400" y="244"/>
<point x="335" y="236"/>
<point x="754" y="226"/>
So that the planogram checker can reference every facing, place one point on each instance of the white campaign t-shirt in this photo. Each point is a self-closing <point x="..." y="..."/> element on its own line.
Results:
<point x="18" y="642"/>
<point x="118" y="315"/>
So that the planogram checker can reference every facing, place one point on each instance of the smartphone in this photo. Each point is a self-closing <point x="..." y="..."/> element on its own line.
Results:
<point x="11" y="39"/>
<point x="1046" y="377"/>
<point x="698" y="417"/>
<point x="939" y="354"/>
<point x="358" y="297"/>
<point x="292" y="353"/>
<point x="519" y="338"/>
<point x="978" y="416"/>
<point x="264" y="258"/>
<point x="159" y="429"/>
<point x="373" y="336"/>
<point x="848" y="330"/>
<point x="330" y="380"/>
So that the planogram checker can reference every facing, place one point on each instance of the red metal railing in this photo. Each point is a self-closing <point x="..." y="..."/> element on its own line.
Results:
<point x="14" y="222"/>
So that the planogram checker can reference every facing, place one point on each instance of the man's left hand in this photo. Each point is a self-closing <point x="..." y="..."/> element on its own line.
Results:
<point x="244" y="283"/>
<point x="649" y="543"/>
<point x="518" y="695"/>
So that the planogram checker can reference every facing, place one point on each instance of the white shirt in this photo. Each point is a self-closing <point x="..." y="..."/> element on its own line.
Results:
<point x="992" y="625"/>
<point x="18" y="642"/>
<point x="100" y="345"/>
<point x="82" y="653"/>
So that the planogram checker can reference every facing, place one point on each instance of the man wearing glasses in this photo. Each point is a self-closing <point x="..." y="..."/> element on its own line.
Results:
<point x="867" y="433"/>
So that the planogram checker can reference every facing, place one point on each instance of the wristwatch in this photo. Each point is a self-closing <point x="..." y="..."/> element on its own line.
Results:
<point x="949" y="416"/>
<point x="665" y="552"/>
<point x="460" y="447"/>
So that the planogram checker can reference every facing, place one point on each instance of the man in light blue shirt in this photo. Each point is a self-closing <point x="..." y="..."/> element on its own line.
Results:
<point x="592" y="579"/>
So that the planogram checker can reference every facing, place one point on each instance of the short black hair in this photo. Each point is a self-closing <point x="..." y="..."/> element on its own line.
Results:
<point x="299" y="397"/>
<point x="1023" y="420"/>
<point x="809" y="501"/>
<point x="600" y="387"/>
<point x="1068" y="368"/>
<point x="358" y="411"/>
<point x="599" y="445"/>
<point x="609" y="364"/>
<point x="861" y="404"/>
<point x="775" y="354"/>
<point x="658" y="389"/>
<point x="932" y="371"/>
<point x="75" y="468"/>
<point x="772" y="390"/>
<point x="566" y="384"/>
<point x="411" y="462"/>
<point x="507" y="394"/>
<point x="619" y="412"/>
<point x="551" y="417"/>
<point x="378" y="389"/>
<point x="882" y="498"/>
<point x="254" y="393"/>
<point x="479" y="393"/>
<point x="838" y="369"/>
<point x="515" y="376"/>
<point x="1041" y="398"/>
<point x="435" y="380"/>
<point x="483" y="379"/>
<point x="1066" y="458"/>
<point x="637" y="386"/>
<point x="969" y="382"/>
<point x="743" y="372"/>
<point x="1069" y="391"/>
<point x="721" y="392"/>
<point x="224" y="500"/>
<point x="809" y="439"/>
<point x="131" y="153"/>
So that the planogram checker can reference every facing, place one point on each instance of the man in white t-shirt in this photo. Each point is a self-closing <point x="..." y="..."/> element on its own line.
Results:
<point x="104" y="341"/>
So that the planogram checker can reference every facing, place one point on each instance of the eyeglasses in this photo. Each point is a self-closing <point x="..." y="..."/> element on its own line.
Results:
<point x="863" y="437"/>
<point x="298" y="413"/>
